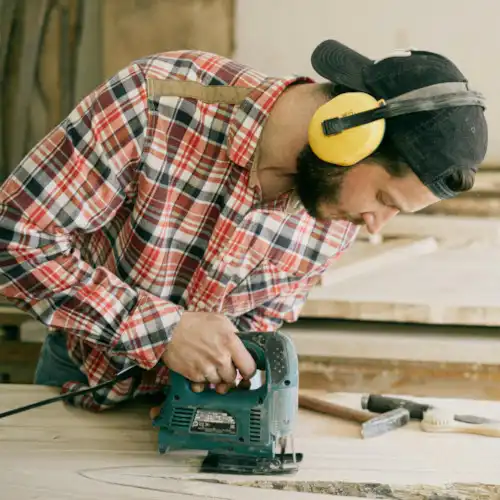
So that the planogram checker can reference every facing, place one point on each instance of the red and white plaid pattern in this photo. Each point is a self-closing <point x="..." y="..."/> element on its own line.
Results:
<point x="137" y="208"/>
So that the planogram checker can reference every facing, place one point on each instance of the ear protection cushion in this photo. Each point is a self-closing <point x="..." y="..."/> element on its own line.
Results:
<point x="352" y="145"/>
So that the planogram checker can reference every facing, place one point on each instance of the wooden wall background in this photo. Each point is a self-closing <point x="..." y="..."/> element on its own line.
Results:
<point x="53" y="52"/>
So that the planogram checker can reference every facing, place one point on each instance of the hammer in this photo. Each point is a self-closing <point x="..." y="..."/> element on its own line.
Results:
<point x="372" y="424"/>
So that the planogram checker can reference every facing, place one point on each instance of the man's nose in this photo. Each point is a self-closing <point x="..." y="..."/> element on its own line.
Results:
<point x="375" y="221"/>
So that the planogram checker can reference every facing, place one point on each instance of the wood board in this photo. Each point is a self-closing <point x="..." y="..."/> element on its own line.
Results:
<point x="424" y="360"/>
<point x="483" y="200"/>
<point x="365" y="256"/>
<point x="442" y="227"/>
<point x="458" y="284"/>
<point x="56" y="452"/>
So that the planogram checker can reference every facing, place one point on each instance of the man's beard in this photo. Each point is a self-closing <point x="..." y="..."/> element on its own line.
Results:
<point x="317" y="181"/>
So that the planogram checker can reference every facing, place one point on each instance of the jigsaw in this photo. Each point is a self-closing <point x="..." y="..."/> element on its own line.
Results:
<point x="244" y="431"/>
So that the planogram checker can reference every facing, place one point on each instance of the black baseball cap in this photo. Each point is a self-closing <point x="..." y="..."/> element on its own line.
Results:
<point x="434" y="143"/>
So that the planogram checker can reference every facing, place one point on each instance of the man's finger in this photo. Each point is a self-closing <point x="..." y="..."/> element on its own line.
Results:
<point x="223" y="388"/>
<point x="197" y="387"/>
<point x="242" y="359"/>
<point x="227" y="371"/>
<point x="211" y="375"/>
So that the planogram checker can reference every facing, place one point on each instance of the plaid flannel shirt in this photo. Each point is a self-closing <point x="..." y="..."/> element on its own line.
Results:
<point x="139" y="206"/>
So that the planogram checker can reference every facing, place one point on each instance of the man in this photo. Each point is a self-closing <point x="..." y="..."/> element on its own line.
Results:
<point x="181" y="202"/>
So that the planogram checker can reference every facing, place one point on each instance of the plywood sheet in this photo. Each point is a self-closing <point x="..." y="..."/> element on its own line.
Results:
<point x="56" y="452"/>
<point x="455" y="285"/>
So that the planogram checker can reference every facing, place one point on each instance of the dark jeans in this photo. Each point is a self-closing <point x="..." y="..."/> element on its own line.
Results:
<point x="54" y="366"/>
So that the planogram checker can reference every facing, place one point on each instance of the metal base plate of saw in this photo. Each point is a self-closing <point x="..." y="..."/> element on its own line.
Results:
<point x="244" y="431"/>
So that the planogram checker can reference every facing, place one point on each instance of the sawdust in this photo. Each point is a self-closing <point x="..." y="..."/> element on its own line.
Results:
<point x="454" y="491"/>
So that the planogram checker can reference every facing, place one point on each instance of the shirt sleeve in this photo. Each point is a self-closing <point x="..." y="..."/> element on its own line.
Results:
<point x="74" y="181"/>
<point x="270" y="316"/>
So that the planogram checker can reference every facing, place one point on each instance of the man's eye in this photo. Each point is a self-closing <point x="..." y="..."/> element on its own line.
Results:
<point x="382" y="199"/>
<point x="385" y="200"/>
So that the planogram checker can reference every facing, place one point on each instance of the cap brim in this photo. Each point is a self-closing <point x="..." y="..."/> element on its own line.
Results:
<point x="340" y="64"/>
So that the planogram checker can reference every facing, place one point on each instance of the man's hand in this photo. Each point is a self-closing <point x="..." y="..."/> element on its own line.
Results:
<point x="206" y="349"/>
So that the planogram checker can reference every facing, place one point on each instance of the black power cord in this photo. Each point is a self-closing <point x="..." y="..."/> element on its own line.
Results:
<point x="123" y="375"/>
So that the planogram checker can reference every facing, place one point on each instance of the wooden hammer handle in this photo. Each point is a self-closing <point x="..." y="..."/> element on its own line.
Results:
<point x="344" y="412"/>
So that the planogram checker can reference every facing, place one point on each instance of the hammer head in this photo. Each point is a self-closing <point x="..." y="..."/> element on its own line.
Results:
<point x="385" y="422"/>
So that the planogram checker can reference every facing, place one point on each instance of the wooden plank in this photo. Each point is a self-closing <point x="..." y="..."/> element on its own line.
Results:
<point x="12" y="316"/>
<point x="7" y="17"/>
<point x="89" y="70"/>
<point x="479" y="206"/>
<point x="33" y="27"/>
<point x="12" y="351"/>
<point x="417" y="378"/>
<point x="364" y="257"/>
<point x="18" y="361"/>
<point x="442" y="227"/>
<point x="376" y="340"/>
<point x="451" y="286"/>
<point x="483" y="200"/>
<point x="56" y="450"/>
<point x="423" y="360"/>
<point x="392" y="340"/>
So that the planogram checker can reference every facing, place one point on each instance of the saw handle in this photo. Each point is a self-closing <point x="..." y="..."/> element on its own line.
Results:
<point x="257" y="353"/>
<point x="182" y="385"/>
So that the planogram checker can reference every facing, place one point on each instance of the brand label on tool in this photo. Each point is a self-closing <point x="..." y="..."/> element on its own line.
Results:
<point x="217" y="422"/>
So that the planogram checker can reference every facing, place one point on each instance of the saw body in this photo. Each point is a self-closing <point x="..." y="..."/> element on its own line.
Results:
<point x="244" y="431"/>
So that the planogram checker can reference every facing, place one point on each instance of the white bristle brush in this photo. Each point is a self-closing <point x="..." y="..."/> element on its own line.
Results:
<point x="442" y="420"/>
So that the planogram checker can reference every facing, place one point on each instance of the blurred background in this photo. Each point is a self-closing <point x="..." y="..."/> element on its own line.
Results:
<point x="415" y="310"/>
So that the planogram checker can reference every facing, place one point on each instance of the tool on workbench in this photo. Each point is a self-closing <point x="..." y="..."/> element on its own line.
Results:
<point x="372" y="424"/>
<point x="242" y="429"/>
<point x="442" y="420"/>
<point x="380" y="404"/>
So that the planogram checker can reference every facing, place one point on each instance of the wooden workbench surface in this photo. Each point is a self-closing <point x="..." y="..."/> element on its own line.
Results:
<point x="57" y="452"/>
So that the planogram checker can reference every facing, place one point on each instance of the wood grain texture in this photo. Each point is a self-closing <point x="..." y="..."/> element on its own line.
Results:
<point x="364" y="257"/>
<point x="455" y="285"/>
<point x="59" y="452"/>
<point x="134" y="29"/>
<point x="442" y="227"/>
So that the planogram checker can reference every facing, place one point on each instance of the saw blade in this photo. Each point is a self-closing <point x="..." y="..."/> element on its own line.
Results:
<point x="223" y="463"/>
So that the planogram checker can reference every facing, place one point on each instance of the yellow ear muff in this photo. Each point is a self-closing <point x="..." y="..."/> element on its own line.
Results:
<point x="352" y="145"/>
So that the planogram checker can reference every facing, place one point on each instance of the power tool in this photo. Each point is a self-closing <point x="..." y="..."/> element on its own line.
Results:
<point x="244" y="431"/>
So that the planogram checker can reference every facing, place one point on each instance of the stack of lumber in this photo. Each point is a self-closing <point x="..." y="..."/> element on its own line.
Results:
<point x="439" y="266"/>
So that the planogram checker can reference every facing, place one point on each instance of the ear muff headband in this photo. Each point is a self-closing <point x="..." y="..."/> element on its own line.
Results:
<point x="351" y="126"/>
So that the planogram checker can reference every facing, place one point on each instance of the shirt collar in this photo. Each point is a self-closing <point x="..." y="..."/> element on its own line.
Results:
<point x="248" y="118"/>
